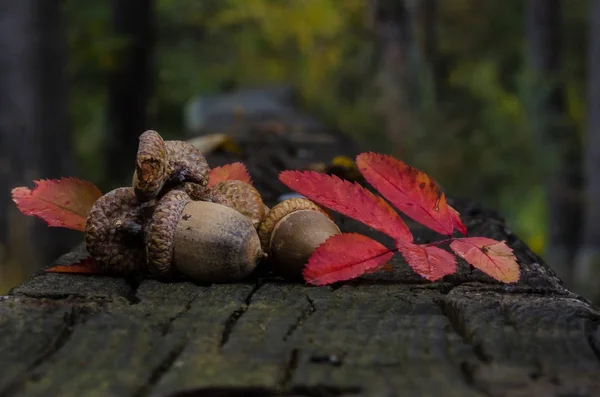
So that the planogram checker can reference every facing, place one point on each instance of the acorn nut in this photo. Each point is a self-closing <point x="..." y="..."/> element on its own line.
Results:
<point x="240" y="196"/>
<point x="290" y="233"/>
<point x="204" y="241"/>
<point x="113" y="231"/>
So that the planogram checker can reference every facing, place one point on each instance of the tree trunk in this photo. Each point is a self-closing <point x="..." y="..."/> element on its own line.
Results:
<point x="34" y="131"/>
<point x="557" y="139"/>
<point x="130" y="87"/>
<point x="393" y="28"/>
<point x="587" y="271"/>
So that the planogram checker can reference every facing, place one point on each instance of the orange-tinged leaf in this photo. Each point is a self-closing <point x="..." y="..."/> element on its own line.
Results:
<point x="333" y="261"/>
<point x="61" y="202"/>
<point x="349" y="199"/>
<point x="431" y="263"/>
<point x="410" y="190"/>
<point x="492" y="257"/>
<point x="84" y="266"/>
<point x="234" y="171"/>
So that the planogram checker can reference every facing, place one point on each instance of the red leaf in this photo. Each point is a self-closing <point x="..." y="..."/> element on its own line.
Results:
<point x="234" y="171"/>
<point x="84" y="266"/>
<point x="492" y="257"/>
<point x="410" y="190"/>
<point x="431" y="263"/>
<point x="457" y="223"/>
<point x="333" y="261"/>
<point x="60" y="203"/>
<point x="349" y="199"/>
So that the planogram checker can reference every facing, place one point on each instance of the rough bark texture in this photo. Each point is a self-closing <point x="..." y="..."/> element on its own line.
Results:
<point x="559" y="142"/>
<point x="33" y="126"/>
<point x="387" y="334"/>
<point x="587" y="272"/>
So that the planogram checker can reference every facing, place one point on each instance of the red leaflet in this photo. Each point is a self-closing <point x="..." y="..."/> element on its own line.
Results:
<point x="349" y="199"/>
<point x="333" y="261"/>
<point x="457" y="222"/>
<point x="410" y="190"/>
<point x="492" y="257"/>
<point x="233" y="171"/>
<point x="61" y="202"/>
<point x="432" y="263"/>
<point x="84" y="266"/>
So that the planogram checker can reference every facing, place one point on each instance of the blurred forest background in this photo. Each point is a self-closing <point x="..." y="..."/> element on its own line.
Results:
<point x="498" y="100"/>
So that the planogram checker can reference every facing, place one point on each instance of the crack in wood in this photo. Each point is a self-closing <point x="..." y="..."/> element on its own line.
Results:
<point x="69" y="321"/>
<point x="304" y="315"/>
<point x="167" y="327"/>
<point x="234" y="317"/>
<point x="289" y="369"/>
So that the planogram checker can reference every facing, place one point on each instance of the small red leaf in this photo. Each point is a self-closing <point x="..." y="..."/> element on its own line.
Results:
<point x="335" y="261"/>
<point x="84" y="266"/>
<point x="63" y="202"/>
<point x="431" y="263"/>
<point x="234" y="171"/>
<point x="410" y="190"/>
<point x="349" y="199"/>
<point x="492" y="257"/>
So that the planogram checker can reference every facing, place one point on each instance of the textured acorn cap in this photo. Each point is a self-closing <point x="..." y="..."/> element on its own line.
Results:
<point x="214" y="243"/>
<point x="240" y="196"/>
<point x="186" y="163"/>
<point x="290" y="233"/>
<point x="113" y="232"/>
<point x="275" y="214"/>
<point x="160" y="231"/>
<point x="150" y="166"/>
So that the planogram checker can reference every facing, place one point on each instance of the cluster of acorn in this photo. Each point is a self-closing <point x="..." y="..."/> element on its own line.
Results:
<point x="170" y="223"/>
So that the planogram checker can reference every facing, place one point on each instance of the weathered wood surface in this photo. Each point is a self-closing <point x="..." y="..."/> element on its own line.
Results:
<point x="387" y="334"/>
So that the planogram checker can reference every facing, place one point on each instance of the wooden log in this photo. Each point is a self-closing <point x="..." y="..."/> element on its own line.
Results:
<point x="389" y="333"/>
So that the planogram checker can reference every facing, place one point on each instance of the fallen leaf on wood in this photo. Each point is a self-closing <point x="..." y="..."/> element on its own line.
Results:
<point x="430" y="262"/>
<point x="63" y="202"/>
<point x="410" y="190"/>
<point x="492" y="257"/>
<point x="85" y="266"/>
<point x="332" y="261"/>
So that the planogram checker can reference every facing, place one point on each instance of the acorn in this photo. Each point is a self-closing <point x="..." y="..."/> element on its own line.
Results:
<point x="163" y="165"/>
<point x="113" y="231"/>
<point x="290" y="233"/>
<point x="238" y="195"/>
<point x="207" y="242"/>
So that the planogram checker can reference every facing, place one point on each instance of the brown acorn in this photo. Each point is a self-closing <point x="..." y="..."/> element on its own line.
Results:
<point x="204" y="241"/>
<point x="290" y="233"/>
<point x="164" y="165"/>
<point x="240" y="196"/>
<point x="113" y="231"/>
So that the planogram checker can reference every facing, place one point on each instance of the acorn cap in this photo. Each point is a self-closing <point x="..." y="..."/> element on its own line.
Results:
<point x="160" y="231"/>
<point x="240" y="196"/>
<point x="150" y="166"/>
<point x="186" y="163"/>
<point x="113" y="231"/>
<point x="279" y="211"/>
<point x="292" y="231"/>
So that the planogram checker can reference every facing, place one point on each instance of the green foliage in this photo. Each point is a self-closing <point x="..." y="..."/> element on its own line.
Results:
<point x="475" y="139"/>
